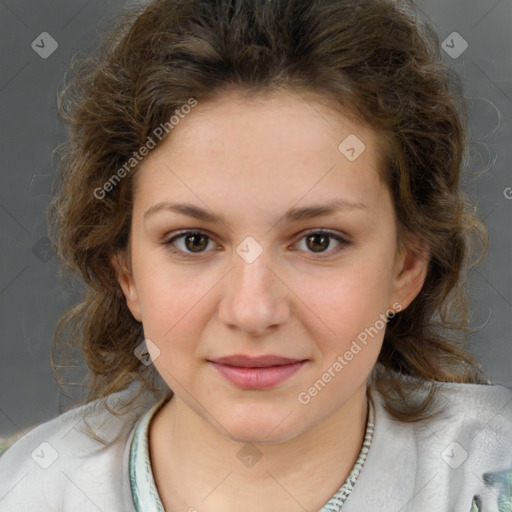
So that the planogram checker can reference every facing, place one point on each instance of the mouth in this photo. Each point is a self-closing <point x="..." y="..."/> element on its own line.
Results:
<point x="262" y="372"/>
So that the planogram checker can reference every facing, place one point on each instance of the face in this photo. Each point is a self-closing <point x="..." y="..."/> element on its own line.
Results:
<point x="263" y="260"/>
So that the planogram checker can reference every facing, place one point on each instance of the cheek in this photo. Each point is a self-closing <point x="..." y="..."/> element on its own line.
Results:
<point x="173" y="307"/>
<point x="167" y="309"/>
<point x="346" y="301"/>
<point x="351" y="308"/>
<point x="173" y="316"/>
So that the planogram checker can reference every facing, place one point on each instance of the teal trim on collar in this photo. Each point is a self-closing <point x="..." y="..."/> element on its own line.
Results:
<point x="143" y="487"/>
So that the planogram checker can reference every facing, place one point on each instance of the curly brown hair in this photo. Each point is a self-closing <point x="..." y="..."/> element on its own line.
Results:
<point x="373" y="57"/>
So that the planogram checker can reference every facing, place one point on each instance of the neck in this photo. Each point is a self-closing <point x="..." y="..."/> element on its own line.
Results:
<point x="196" y="466"/>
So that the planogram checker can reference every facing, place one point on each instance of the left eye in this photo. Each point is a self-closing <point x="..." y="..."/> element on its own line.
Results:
<point x="196" y="242"/>
<point x="320" y="240"/>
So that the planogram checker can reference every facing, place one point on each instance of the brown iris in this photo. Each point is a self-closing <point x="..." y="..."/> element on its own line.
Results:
<point x="317" y="238"/>
<point x="198" y="241"/>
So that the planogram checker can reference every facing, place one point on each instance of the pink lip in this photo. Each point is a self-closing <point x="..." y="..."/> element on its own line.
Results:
<point x="257" y="372"/>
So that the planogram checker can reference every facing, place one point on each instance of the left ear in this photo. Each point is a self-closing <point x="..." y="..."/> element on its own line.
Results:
<point x="410" y="271"/>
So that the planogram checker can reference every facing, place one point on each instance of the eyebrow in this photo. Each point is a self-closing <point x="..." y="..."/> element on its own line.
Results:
<point x="292" y="215"/>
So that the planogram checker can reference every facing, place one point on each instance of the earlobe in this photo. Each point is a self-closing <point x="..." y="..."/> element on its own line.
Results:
<point x="410" y="275"/>
<point x="127" y="284"/>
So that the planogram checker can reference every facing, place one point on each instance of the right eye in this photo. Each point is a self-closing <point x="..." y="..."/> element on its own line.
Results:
<point x="189" y="242"/>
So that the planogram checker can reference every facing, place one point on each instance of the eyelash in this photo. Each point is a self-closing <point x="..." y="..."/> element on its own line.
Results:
<point x="343" y="242"/>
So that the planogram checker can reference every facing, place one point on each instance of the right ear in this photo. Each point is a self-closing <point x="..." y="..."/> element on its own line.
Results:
<point x="127" y="283"/>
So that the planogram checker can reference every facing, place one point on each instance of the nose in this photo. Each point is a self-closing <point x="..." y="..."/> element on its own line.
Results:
<point x="254" y="298"/>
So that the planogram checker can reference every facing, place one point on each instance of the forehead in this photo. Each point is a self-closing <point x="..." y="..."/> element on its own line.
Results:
<point x="292" y="120"/>
<point x="282" y="145"/>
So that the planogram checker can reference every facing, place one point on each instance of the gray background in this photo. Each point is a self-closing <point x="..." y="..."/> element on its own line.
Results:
<point x="31" y="295"/>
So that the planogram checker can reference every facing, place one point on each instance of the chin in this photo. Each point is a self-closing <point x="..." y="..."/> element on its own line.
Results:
<point x="257" y="429"/>
<point x="250" y="436"/>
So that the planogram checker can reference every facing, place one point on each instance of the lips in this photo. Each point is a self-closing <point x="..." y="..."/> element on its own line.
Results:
<point x="243" y="361"/>
<point x="261" y="372"/>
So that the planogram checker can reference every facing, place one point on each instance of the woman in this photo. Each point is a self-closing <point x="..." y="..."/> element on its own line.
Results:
<point x="263" y="201"/>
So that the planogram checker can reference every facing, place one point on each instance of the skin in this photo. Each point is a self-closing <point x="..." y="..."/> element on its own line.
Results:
<point x="250" y="160"/>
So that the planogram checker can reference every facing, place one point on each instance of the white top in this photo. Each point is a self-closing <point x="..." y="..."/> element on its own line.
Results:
<point x="460" y="461"/>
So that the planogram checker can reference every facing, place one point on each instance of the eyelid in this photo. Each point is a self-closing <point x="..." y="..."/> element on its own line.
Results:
<point x="323" y="231"/>
<point x="181" y="232"/>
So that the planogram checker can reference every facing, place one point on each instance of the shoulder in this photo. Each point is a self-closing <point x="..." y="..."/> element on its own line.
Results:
<point x="459" y="460"/>
<point x="472" y="437"/>
<point x="466" y="409"/>
<point x="464" y="397"/>
<point x="472" y="407"/>
<point x="476" y="418"/>
<point x="60" y="465"/>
